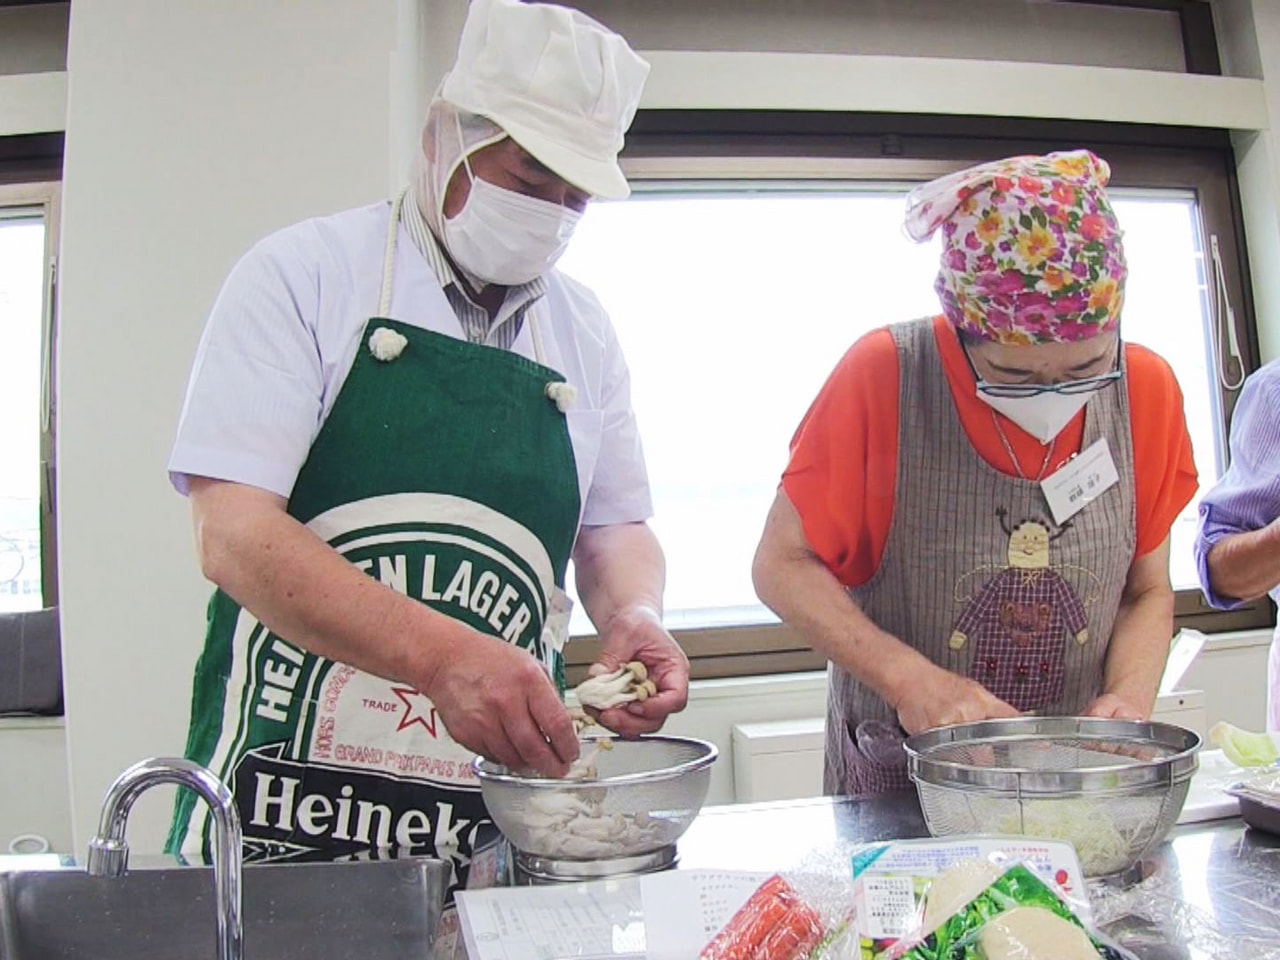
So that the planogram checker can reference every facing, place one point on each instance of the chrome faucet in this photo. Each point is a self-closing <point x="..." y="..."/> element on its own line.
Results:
<point x="109" y="853"/>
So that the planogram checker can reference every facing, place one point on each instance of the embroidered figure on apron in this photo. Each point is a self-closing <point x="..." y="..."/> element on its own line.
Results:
<point x="1021" y="619"/>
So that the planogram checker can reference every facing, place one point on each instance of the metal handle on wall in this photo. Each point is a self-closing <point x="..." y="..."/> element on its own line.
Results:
<point x="1224" y="316"/>
<point x="46" y="360"/>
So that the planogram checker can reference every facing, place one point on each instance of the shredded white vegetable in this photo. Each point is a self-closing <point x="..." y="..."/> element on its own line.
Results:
<point x="1103" y="845"/>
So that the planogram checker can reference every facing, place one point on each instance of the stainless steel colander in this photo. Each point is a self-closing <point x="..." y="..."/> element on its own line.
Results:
<point x="1112" y="788"/>
<point x="625" y="821"/>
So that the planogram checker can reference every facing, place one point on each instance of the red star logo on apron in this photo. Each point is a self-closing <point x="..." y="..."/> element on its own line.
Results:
<point x="417" y="709"/>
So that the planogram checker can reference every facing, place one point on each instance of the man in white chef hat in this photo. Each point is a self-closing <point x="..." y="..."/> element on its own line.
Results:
<point x="401" y="425"/>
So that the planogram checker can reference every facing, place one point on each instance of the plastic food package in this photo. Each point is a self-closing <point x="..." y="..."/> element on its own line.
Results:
<point x="910" y="886"/>
<point x="1016" y="917"/>
<point x="776" y="923"/>
<point x="839" y="906"/>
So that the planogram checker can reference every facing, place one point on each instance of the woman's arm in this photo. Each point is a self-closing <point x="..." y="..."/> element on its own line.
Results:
<point x="794" y="582"/>
<point x="1140" y="640"/>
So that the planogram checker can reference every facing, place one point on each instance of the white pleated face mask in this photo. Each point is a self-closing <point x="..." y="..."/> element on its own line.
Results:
<point x="506" y="238"/>
<point x="1043" y="416"/>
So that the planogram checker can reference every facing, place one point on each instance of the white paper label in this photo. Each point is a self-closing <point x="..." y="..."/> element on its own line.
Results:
<point x="890" y="907"/>
<point x="1085" y="478"/>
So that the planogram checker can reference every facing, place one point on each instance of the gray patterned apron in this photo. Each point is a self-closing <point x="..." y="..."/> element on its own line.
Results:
<point x="977" y="576"/>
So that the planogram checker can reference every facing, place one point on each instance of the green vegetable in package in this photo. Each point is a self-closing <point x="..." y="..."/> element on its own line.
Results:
<point x="961" y="936"/>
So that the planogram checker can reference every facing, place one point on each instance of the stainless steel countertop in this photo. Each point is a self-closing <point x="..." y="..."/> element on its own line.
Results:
<point x="1215" y="887"/>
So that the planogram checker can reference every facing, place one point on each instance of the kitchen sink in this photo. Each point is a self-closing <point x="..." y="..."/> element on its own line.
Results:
<point x="368" y="909"/>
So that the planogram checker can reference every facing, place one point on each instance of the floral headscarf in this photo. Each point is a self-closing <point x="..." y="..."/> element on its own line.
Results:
<point x="1031" y="249"/>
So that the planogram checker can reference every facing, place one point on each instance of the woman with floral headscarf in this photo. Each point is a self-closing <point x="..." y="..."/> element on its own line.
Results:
<point x="974" y="521"/>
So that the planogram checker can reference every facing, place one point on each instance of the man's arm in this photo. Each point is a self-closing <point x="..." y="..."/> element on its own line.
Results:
<point x="1238" y="544"/>
<point x="494" y="698"/>
<point x="620" y="574"/>
<point x="1246" y="566"/>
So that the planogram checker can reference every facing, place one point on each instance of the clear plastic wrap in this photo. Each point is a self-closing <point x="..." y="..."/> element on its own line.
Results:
<point x="1156" y="917"/>
<point x="783" y="920"/>
<point x="1016" y="916"/>
<point x="857" y="902"/>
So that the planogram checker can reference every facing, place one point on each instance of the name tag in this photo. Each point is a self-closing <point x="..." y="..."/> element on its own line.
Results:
<point x="1086" y="477"/>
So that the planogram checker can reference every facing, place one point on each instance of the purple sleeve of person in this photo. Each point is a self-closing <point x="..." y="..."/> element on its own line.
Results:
<point x="1247" y="497"/>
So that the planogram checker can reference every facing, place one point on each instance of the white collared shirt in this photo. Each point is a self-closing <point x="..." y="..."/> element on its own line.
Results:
<point x="288" y="321"/>
<point x="499" y="330"/>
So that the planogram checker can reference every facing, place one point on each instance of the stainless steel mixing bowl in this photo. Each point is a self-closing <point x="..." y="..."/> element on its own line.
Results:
<point x="625" y="821"/>
<point x="1112" y="788"/>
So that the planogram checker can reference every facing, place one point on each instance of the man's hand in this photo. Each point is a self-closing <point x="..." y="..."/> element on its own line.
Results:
<point x="1110" y="706"/>
<point x="938" y="698"/>
<point x="636" y="633"/>
<point x="496" y="700"/>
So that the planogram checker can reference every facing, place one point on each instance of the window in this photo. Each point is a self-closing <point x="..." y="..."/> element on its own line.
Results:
<point x="734" y="298"/>
<point x="27" y="227"/>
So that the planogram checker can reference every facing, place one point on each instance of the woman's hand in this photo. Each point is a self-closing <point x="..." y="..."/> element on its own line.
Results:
<point x="936" y="697"/>
<point x="1110" y="706"/>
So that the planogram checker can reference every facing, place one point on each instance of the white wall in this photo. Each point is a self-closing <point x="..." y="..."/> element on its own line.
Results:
<point x="1249" y="37"/>
<point x="34" y="798"/>
<point x="981" y="29"/>
<point x="193" y="129"/>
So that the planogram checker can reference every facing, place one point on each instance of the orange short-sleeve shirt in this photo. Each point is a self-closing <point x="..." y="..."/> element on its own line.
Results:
<point x="844" y="455"/>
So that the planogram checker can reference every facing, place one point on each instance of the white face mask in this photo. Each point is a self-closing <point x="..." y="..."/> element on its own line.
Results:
<point x="506" y="238"/>
<point x="1043" y="415"/>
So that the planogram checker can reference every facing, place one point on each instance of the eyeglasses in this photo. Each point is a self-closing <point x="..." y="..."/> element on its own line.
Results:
<point x="1066" y="388"/>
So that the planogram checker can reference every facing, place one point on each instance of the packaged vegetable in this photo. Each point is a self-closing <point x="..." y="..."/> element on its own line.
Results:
<point x="1026" y="933"/>
<point x="747" y="929"/>
<point x="1016" y="917"/>
<point x="779" y="922"/>
<point x="912" y="886"/>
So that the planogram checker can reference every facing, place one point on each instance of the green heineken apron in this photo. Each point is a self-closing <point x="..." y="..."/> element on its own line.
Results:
<point x="447" y="474"/>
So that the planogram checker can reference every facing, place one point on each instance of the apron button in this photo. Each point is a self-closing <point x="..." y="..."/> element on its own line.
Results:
<point x="386" y="344"/>
<point x="563" y="394"/>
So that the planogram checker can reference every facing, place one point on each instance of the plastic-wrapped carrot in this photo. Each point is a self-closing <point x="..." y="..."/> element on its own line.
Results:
<point x="799" y="932"/>
<point x="747" y="929"/>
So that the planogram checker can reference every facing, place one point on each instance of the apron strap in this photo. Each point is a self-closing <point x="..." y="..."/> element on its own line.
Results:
<point x="389" y="256"/>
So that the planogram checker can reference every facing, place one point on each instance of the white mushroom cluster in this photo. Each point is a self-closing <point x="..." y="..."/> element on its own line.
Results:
<point x="573" y="824"/>
<point x="584" y="768"/>
<point x="624" y="685"/>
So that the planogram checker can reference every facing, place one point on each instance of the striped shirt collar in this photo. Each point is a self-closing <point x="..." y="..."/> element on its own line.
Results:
<point x="519" y="298"/>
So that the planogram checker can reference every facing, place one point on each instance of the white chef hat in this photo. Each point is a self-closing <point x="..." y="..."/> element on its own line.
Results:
<point x="560" y="84"/>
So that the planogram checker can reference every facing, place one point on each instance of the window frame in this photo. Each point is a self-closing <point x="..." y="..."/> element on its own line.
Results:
<point x="45" y="196"/>
<point x="675" y="145"/>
